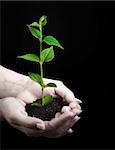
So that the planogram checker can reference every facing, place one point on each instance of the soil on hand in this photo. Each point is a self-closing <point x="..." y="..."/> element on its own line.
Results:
<point x="46" y="112"/>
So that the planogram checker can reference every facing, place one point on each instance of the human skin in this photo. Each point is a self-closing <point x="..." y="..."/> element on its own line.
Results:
<point x="17" y="90"/>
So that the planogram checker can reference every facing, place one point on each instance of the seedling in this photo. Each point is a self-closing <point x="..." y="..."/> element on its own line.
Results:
<point x="45" y="55"/>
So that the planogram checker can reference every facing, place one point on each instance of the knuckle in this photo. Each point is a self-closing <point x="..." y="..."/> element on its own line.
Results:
<point x="51" y="126"/>
<point x="65" y="109"/>
<point x="70" y="115"/>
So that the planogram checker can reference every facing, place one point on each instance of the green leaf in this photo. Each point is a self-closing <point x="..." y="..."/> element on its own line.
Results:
<point x="34" y="24"/>
<point x="36" y="104"/>
<point x="51" y="85"/>
<point x="43" y="20"/>
<point x="30" y="57"/>
<point x="36" y="77"/>
<point x="47" y="100"/>
<point x="47" y="54"/>
<point x="50" y="40"/>
<point x="35" y="32"/>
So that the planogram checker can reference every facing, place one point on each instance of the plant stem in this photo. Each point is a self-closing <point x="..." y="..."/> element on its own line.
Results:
<point x="41" y="70"/>
<point x="41" y="63"/>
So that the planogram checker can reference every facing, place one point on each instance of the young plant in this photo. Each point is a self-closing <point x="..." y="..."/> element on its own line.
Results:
<point x="45" y="55"/>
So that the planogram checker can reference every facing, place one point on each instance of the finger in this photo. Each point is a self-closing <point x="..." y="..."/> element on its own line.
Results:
<point x="65" y="109"/>
<point x="27" y="97"/>
<point x="50" y="91"/>
<point x="68" y="124"/>
<point x="62" y="92"/>
<point x="57" y="114"/>
<point x="76" y="111"/>
<point x="24" y="112"/>
<point x="70" y="131"/>
<point x="57" y="122"/>
<point x="34" y="88"/>
<point x="76" y="119"/>
<point x="22" y="102"/>
<point x="74" y="105"/>
<point x="78" y="101"/>
<point x="40" y="126"/>
<point x="66" y="94"/>
<point x="27" y="121"/>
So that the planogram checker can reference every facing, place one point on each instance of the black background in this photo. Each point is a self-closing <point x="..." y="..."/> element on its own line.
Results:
<point x="86" y="66"/>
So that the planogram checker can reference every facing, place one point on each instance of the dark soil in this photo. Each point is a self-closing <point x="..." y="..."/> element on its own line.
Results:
<point x="46" y="112"/>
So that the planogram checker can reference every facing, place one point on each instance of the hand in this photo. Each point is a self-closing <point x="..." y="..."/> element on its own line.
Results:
<point x="21" y="90"/>
<point x="64" y="120"/>
<point x="13" y="110"/>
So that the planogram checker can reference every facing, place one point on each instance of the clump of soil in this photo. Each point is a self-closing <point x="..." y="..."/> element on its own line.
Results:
<point x="46" y="112"/>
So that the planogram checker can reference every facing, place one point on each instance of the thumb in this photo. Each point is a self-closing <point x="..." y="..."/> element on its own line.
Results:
<point x="27" y="97"/>
<point x="28" y="122"/>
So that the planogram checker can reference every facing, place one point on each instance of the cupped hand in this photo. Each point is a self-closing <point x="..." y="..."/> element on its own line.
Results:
<point x="64" y="120"/>
<point x="13" y="111"/>
<point x="17" y="90"/>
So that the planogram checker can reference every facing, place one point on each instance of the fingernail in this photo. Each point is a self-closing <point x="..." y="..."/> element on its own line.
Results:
<point x="80" y="111"/>
<point x="77" y="118"/>
<point x="76" y="111"/>
<point x="70" y="131"/>
<point x="79" y="100"/>
<point x="74" y="105"/>
<point x="40" y="126"/>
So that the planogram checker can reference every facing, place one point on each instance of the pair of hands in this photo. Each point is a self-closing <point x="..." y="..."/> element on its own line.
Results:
<point x="13" y="110"/>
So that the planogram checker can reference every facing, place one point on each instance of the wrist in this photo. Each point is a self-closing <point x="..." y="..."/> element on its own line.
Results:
<point x="11" y="82"/>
